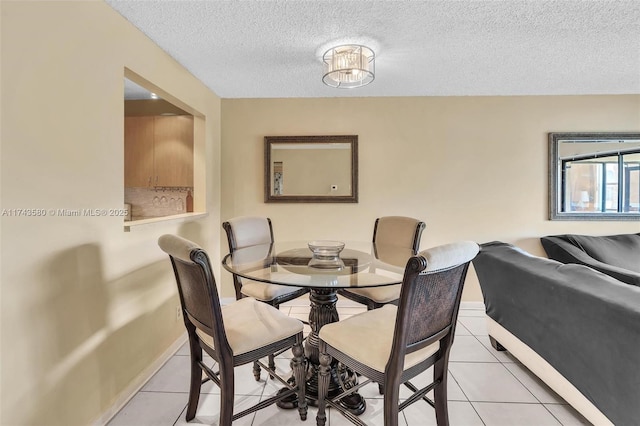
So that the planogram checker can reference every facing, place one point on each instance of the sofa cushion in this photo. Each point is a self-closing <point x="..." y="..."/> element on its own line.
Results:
<point x="617" y="250"/>
<point x="614" y="255"/>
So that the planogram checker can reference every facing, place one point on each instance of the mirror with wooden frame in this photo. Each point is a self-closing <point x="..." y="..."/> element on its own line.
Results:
<point x="311" y="169"/>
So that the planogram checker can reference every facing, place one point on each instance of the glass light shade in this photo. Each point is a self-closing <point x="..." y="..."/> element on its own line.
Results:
<point x="348" y="66"/>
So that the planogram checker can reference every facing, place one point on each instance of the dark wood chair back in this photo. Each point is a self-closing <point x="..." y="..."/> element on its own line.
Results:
<point x="197" y="290"/>
<point x="427" y="310"/>
<point x="426" y="317"/>
<point x="203" y="320"/>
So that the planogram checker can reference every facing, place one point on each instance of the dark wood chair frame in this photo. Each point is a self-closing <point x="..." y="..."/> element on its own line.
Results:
<point x="372" y="304"/>
<point x="201" y="310"/>
<point x="237" y="284"/>
<point x="418" y="324"/>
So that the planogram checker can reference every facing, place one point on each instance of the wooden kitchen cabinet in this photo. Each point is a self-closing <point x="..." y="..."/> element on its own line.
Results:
<point x="138" y="151"/>
<point x="158" y="151"/>
<point x="173" y="151"/>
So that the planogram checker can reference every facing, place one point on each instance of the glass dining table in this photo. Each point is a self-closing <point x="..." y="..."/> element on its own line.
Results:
<point x="358" y="265"/>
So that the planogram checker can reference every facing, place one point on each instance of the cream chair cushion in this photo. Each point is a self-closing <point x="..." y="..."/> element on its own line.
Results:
<point x="250" y="325"/>
<point x="384" y="294"/>
<point x="264" y="291"/>
<point x="396" y="231"/>
<point x="368" y="337"/>
<point x="250" y="231"/>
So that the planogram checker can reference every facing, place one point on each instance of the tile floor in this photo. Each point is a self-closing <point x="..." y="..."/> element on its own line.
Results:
<point x="486" y="387"/>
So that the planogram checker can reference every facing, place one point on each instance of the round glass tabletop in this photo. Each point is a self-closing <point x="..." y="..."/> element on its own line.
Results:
<point x="358" y="264"/>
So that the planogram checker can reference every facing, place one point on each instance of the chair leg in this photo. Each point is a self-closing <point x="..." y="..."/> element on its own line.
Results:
<point x="256" y="371"/>
<point x="272" y="364"/>
<point x="440" y="392"/>
<point x="196" y="382"/>
<point x="226" y="395"/>
<point x="297" y="364"/>
<point x="391" y="401"/>
<point x="324" y="370"/>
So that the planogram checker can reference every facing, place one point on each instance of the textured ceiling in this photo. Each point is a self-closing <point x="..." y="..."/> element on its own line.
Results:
<point x="273" y="49"/>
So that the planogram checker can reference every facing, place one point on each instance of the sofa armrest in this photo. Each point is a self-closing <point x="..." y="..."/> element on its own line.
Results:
<point x="564" y="252"/>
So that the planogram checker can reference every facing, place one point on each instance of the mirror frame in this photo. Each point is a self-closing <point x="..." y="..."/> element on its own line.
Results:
<point x="555" y="179"/>
<point x="269" y="141"/>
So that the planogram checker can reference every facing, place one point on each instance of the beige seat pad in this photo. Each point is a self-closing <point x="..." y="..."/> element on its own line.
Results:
<point x="368" y="337"/>
<point x="250" y="324"/>
<point x="384" y="294"/>
<point x="263" y="291"/>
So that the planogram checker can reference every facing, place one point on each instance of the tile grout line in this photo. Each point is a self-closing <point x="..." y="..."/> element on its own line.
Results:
<point x="180" y="413"/>
<point x="482" y="344"/>
<point x="529" y="390"/>
<point x="465" y="395"/>
<point x="519" y="381"/>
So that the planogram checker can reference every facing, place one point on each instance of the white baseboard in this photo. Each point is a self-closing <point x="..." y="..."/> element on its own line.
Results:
<point x="135" y="386"/>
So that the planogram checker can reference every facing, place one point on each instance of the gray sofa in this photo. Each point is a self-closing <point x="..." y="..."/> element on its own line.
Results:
<point x="576" y="328"/>
<point x="614" y="255"/>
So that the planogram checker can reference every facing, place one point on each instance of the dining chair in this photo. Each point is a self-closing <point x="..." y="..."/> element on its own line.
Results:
<point x="393" y="344"/>
<point x="247" y="231"/>
<point x="389" y="233"/>
<point x="239" y="333"/>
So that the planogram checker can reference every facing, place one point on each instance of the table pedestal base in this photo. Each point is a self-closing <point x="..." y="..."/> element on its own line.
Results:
<point x="323" y="311"/>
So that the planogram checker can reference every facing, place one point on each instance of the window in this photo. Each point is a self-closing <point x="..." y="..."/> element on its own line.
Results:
<point x="602" y="184"/>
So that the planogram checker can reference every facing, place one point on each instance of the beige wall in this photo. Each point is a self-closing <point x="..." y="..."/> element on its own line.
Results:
<point x="85" y="306"/>
<point x="470" y="167"/>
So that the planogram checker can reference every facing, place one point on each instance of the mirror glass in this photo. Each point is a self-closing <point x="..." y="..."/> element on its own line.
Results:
<point x="313" y="169"/>
<point x="594" y="176"/>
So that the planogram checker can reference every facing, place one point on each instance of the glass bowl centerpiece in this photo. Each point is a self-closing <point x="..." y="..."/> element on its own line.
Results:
<point x="326" y="254"/>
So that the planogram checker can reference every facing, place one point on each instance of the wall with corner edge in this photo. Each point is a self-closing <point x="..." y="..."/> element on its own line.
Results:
<point x="87" y="309"/>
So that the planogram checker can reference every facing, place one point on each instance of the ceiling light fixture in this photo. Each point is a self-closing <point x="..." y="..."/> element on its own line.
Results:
<point x="348" y="66"/>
